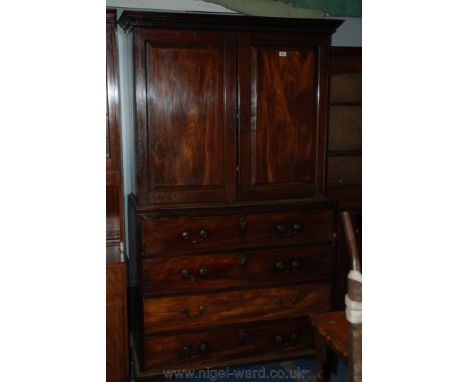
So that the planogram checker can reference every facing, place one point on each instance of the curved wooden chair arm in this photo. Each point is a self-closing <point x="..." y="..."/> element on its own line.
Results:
<point x="351" y="241"/>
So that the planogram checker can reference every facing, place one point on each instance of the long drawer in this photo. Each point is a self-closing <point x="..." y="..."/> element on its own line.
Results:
<point x="166" y="236"/>
<point x="221" y="308"/>
<point x="198" y="273"/>
<point x="202" y="349"/>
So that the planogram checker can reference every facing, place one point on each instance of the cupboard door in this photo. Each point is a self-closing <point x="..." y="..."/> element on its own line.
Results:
<point x="185" y="96"/>
<point x="283" y="93"/>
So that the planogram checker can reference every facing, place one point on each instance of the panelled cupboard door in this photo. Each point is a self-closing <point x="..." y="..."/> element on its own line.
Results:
<point x="186" y="97"/>
<point x="283" y="96"/>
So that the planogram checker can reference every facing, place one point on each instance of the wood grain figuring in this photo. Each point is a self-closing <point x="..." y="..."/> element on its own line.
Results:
<point x="185" y="112"/>
<point x="283" y="141"/>
<point x="204" y="310"/>
<point x="163" y="237"/>
<point x="184" y="147"/>
<point x="202" y="349"/>
<point x="282" y="118"/>
<point x="239" y="269"/>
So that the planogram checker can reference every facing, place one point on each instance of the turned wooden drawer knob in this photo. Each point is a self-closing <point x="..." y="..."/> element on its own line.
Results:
<point x="185" y="236"/>
<point x="203" y="272"/>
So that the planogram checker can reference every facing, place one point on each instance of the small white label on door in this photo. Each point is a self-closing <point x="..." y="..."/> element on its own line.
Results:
<point x="282" y="53"/>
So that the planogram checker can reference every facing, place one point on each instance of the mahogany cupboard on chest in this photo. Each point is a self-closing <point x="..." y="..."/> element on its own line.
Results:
<point x="231" y="233"/>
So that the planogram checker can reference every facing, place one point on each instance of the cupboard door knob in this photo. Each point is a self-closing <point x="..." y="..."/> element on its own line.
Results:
<point x="185" y="273"/>
<point x="203" y="234"/>
<point x="185" y="236"/>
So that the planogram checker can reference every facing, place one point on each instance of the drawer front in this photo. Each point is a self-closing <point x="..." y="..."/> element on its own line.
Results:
<point x="249" y="268"/>
<point x="204" y="310"/>
<point x="165" y="236"/>
<point x="205" y="348"/>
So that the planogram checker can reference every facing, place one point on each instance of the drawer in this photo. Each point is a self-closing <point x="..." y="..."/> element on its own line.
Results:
<point x="206" y="348"/>
<point x="165" y="236"/>
<point x="248" y="268"/>
<point x="221" y="308"/>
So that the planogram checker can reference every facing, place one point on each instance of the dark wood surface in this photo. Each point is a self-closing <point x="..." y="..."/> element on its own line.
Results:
<point x="116" y="323"/>
<point x="344" y="177"/>
<point x="202" y="273"/>
<point x="138" y="19"/>
<point x="205" y="348"/>
<point x="114" y="226"/>
<point x="186" y="144"/>
<point x="205" y="310"/>
<point x="231" y="128"/>
<point x="282" y="130"/>
<point x="162" y="237"/>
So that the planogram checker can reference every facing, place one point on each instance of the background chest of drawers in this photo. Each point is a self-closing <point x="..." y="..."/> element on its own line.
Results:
<point x="230" y="230"/>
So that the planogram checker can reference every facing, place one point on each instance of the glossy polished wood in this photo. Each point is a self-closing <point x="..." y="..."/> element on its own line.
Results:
<point x="231" y="161"/>
<point x="201" y="273"/>
<point x="204" y="310"/>
<point x="114" y="226"/>
<point x="283" y="121"/>
<point x="186" y="148"/>
<point x="164" y="237"/>
<point x="206" y="348"/>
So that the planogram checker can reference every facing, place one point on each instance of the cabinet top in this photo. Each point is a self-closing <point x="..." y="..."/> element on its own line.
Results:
<point x="135" y="19"/>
